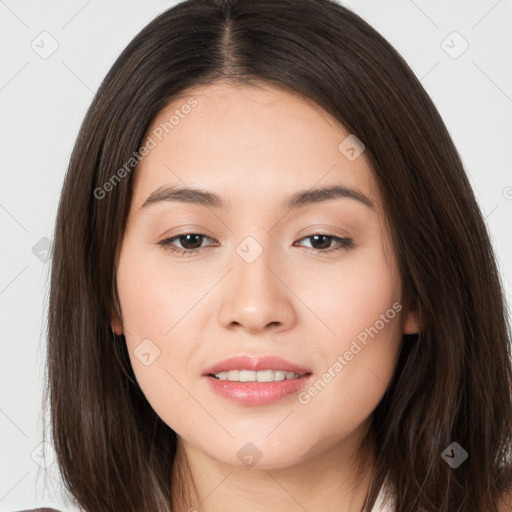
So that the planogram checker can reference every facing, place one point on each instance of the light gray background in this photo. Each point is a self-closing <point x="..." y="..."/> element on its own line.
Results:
<point x="43" y="101"/>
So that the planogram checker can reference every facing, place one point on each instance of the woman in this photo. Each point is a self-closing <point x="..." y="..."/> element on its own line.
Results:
<point x="272" y="285"/>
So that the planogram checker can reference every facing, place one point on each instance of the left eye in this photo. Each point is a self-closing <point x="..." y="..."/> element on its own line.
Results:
<point x="320" y="238"/>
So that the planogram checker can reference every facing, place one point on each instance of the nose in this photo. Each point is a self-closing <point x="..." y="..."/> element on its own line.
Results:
<point x="257" y="296"/>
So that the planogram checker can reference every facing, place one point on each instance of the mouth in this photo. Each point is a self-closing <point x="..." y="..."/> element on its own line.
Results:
<point x="256" y="380"/>
<point x="256" y="376"/>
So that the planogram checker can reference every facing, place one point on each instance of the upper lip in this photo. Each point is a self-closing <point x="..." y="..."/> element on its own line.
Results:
<point x="255" y="363"/>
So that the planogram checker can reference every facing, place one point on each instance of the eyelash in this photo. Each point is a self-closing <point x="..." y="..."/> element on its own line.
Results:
<point x="343" y="243"/>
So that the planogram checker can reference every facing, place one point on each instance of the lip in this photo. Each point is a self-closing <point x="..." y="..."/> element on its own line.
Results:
<point x="256" y="393"/>
<point x="255" y="363"/>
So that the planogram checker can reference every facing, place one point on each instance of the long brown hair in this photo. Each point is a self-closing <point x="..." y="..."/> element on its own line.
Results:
<point x="452" y="381"/>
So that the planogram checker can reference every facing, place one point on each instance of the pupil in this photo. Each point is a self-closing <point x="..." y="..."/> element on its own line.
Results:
<point x="325" y="245"/>
<point x="187" y="237"/>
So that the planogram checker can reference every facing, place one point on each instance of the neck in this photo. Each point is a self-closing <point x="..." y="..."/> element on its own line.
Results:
<point x="337" y="479"/>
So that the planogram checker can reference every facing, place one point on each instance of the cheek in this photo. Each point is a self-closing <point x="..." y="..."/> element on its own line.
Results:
<point x="152" y="304"/>
<point x="364" y="300"/>
<point x="147" y="304"/>
<point x="361" y="305"/>
<point x="352" y="296"/>
<point x="163" y="317"/>
<point x="154" y="295"/>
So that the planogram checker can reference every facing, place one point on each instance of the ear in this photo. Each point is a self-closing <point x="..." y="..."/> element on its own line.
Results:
<point x="411" y="324"/>
<point x="116" y="324"/>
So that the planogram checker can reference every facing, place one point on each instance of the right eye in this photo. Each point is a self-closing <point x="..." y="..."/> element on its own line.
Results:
<point x="186" y="239"/>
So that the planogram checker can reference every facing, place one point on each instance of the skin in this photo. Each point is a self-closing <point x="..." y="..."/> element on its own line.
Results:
<point x="254" y="146"/>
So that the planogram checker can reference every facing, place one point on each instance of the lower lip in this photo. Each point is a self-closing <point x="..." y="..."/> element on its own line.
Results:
<point x="257" y="393"/>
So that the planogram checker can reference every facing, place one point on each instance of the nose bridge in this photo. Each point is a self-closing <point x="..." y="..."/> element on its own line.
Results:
<point x="252" y="264"/>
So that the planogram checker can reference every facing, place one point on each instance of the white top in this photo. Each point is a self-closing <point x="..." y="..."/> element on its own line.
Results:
<point x="385" y="502"/>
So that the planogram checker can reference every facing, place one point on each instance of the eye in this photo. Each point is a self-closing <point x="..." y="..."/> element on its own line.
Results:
<point x="321" y="242"/>
<point x="191" y="243"/>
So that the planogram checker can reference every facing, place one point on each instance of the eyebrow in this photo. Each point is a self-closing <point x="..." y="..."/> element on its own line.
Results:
<point x="297" y="200"/>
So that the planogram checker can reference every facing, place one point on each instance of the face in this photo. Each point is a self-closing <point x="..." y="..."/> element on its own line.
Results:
<point x="312" y="281"/>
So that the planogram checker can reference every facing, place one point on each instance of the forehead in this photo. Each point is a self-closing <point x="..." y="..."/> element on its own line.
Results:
<point x="248" y="142"/>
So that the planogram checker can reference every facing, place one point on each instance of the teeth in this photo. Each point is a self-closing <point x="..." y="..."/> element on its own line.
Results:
<point x="259" y="376"/>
